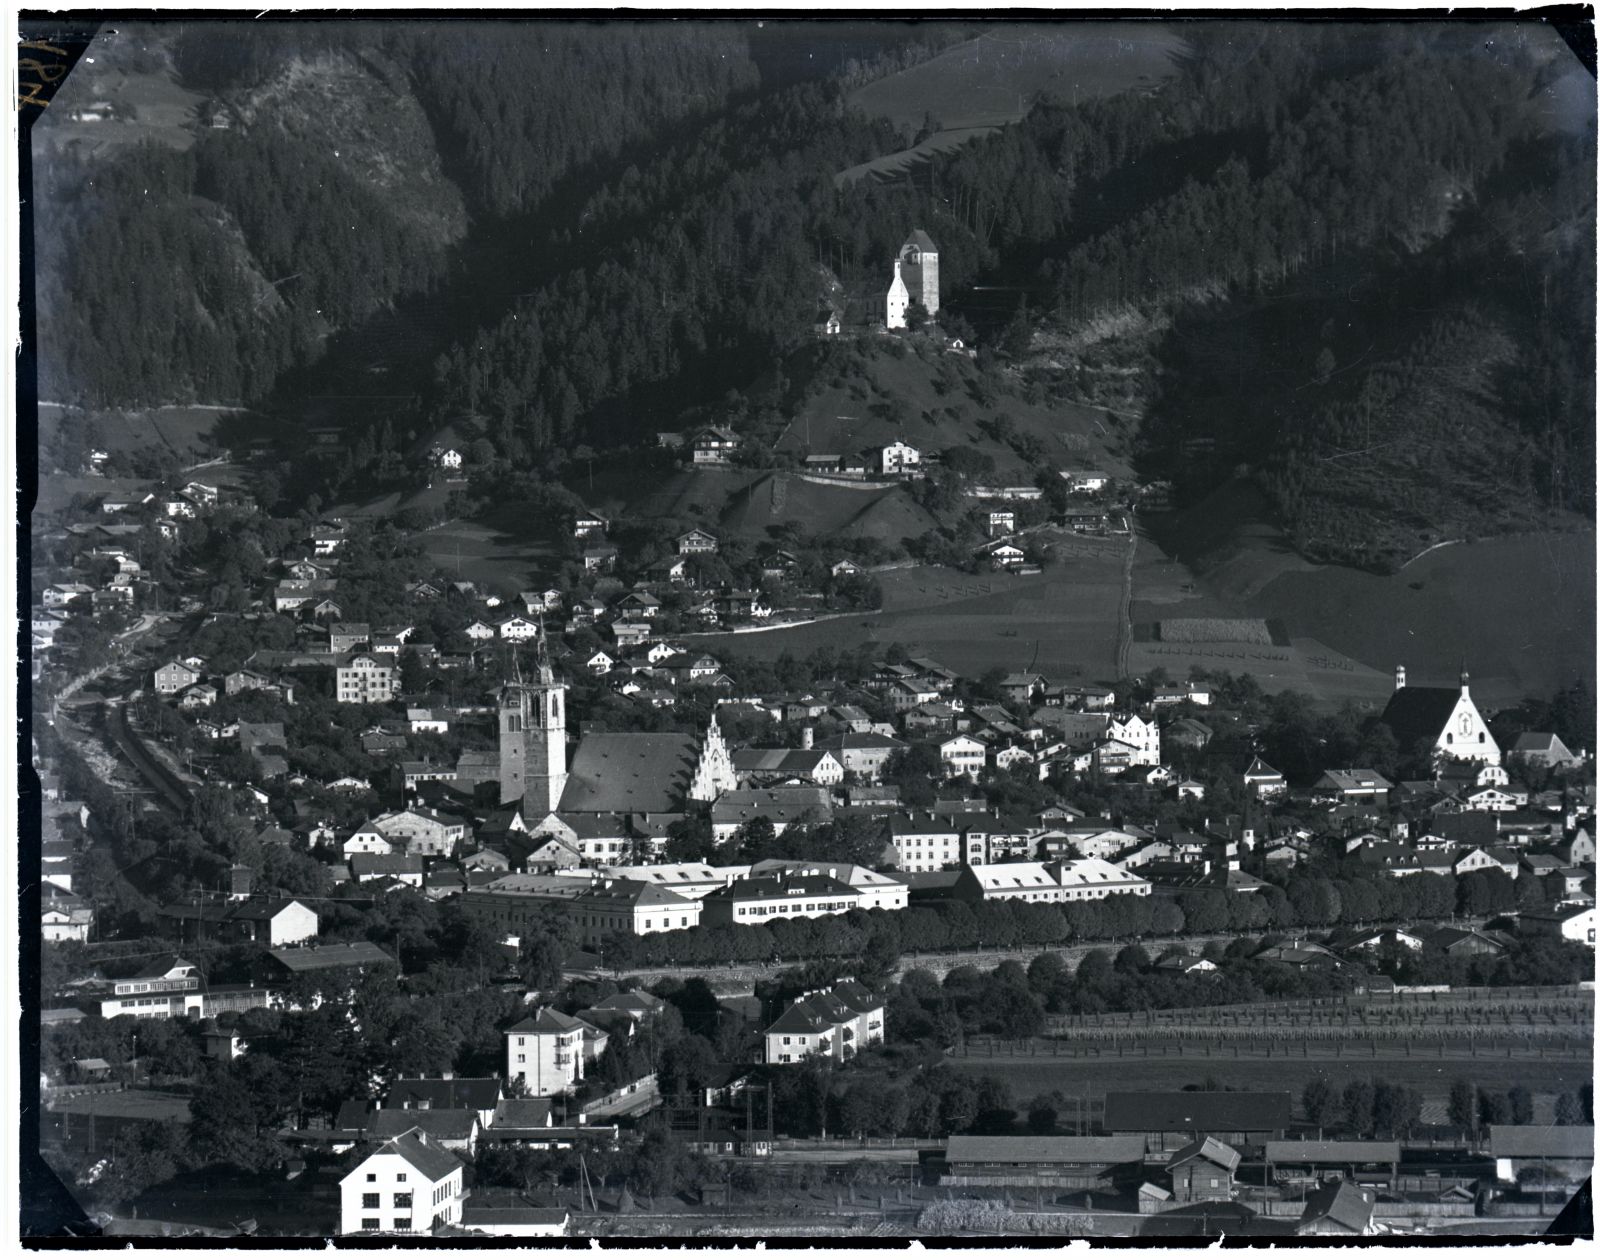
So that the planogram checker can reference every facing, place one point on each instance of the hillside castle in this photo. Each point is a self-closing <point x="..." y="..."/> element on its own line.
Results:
<point x="915" y="279"/>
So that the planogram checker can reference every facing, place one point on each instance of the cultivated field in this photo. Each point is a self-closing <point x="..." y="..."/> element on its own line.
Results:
<point x="1518" y="611"/>
<point x="57" y="491"/>
<point x="1215" y="630"/>
<point x="850" y="511"/>
<point x="126" y="67"/>
<point x="981" y="85"/>
<point x="188" y="432"/>
<point x="1093" y="1078"/>
<point x="1542" y="1038"/>
<point x="128" y="1104"/>
<point x="1062" y="622"/>
<point x="910" y="399"/>
<point x="471" y="552"/>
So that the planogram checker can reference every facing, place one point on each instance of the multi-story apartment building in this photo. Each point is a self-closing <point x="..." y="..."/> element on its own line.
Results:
<point x="835" y="1022"/>
<point x="545" y="1052"/>
<point x="366" y="678"/>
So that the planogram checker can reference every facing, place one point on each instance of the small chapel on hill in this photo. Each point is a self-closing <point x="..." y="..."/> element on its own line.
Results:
<point x="915" y="279"/>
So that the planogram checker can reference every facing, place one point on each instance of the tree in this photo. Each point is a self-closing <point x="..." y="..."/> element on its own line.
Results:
<point x="756" y="840"/>
<point x="1493" y="1108"/>
<point x="1319" y="1102"/>
<point x="1463" y="1105"/>
<point x="1520" y="1101"/>
<point x="539" y="960"/>
<point x="426" y="1046"/>
<point x="690" y="840"/>
<point x="1042" y="1118"/>
<point x="1018" y="333"/>
<point x="1358" y="1106"/>
<point x="223" y="1121"/>
<point x="1569" y="1110"/>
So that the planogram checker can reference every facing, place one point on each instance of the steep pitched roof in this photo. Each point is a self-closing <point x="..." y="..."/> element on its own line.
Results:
<point x="1415" y="713"/>
<point x="474" y="1093"/>
<point x="1207" y="1148"/>
<point x="440" y="1124"/>
<point x="1174" y="1111"/>
<point x="1536" y="1141"/>
<point x="522" y="1113"/>
<point x="1342" y="1202"/>
<point x="630" y="773"/>
<point x="433" y="1162"/>
<point x="548" y="1020"/>
<point x="1044" y="1150"/>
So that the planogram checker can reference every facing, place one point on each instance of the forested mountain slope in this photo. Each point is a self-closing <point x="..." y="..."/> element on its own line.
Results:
<point x="1353" y="264"/>
<point x="332" y="169"/>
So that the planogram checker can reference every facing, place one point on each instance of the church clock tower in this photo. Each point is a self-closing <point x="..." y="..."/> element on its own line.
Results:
<point x="533" y="742"/>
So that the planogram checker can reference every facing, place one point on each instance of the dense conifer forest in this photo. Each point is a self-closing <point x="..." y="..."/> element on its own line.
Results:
<point x="1357" y="260"/>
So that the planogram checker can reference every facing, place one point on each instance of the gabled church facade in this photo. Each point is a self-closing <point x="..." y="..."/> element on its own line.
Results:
<point x="614" y="775"/>
<point x="1444" y="717"/>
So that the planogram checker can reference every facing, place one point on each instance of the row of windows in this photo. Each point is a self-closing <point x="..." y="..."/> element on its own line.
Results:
<point x="761" y="911"/>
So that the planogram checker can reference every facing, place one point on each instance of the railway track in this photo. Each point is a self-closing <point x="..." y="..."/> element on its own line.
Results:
<point x="171" y="795"/>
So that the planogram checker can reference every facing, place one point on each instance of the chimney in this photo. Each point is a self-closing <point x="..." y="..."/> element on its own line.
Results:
<point x="808" y="736"/>
<point x="1399" y="677"/>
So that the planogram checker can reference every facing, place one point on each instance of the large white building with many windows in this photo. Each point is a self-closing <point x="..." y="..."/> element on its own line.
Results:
<point x="366" y="678"/>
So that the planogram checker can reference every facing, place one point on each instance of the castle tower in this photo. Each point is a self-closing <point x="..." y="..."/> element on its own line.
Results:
<point x="533" y="741"/>
<point x="919" y="265"/>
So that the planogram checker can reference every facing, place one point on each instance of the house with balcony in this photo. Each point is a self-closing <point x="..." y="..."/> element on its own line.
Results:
<point x="714" y="445"/>
<point x="835" y="1022"/>
<point x="544" y="1052"/>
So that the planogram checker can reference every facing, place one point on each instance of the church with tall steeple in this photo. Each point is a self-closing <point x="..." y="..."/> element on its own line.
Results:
<point x="533" y="740"/>
<point x="627" y="774"/>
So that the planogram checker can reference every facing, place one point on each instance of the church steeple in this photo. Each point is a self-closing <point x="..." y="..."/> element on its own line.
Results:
<point x="533" y="738"/>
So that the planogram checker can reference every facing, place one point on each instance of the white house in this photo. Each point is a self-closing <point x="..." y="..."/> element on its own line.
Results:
<point x="409" y="1185"/>
<point x="174" y="676"/>
<point x="697" y="542"/>
<point x="1575" y="923"/>
<point x="898" y="457"/>
<point x="1138" y="734"/>
<point x="519" y="629"/>
<point x="1085" y="481"/>
<point x="835" y="1022"/>
<point x="545" y="1052"/>
<point x="366" y="678"/>
<point x="423" y="831"/>
<point x="962" y="754"/>
<point x="1262" y="780"/>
